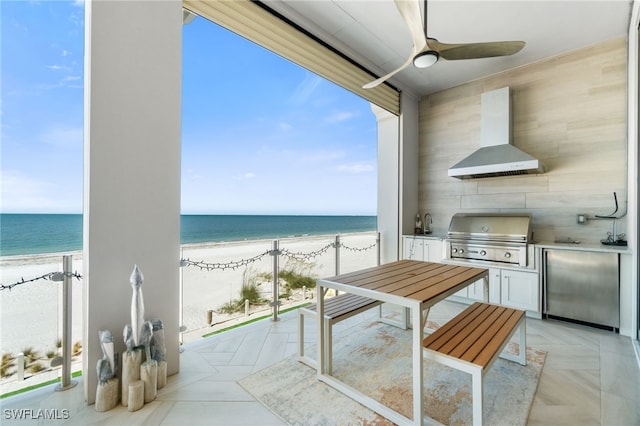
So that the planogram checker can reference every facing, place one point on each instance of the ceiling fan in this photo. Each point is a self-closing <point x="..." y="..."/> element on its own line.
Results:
<point x="426" y="50"/>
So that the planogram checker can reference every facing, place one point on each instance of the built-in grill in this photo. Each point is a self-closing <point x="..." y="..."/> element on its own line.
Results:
<point x="489" y="237"/>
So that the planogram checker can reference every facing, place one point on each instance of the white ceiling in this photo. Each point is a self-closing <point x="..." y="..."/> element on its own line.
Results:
<point x="373" y="33"/>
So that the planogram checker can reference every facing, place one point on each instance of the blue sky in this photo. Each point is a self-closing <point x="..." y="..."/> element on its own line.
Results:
<point x="259" y="135"/>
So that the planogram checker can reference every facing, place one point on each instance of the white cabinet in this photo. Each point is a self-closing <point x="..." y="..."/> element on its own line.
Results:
<point x="517" y="289"/>
<point x="476" y="290"/>
<point x="520" y="290"/>
<point x="414" y="248"/>
<point x="422" y="248"/>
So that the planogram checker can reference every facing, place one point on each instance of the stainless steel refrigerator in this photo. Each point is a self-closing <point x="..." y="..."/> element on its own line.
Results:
<point x="582" y="286"/>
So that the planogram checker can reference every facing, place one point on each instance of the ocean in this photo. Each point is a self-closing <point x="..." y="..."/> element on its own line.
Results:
<point x="27" y="234"/>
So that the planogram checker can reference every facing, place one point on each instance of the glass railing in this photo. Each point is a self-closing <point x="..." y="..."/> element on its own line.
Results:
<point x="226" y="284"/>
<point x="32" y="319"/>
<point x="222" y="285"/>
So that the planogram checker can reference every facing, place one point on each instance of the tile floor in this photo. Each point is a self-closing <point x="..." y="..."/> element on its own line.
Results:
<point x="590" y="377"/>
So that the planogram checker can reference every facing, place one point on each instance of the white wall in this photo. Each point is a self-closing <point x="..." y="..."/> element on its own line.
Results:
<point x="570" y="111"/>
<point x="132" y="169"/>
<point x="409" y="163"/>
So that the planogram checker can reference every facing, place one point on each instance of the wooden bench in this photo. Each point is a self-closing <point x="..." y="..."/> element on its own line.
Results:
<point x="337" y="309"/>
<point x="472" y="340"/>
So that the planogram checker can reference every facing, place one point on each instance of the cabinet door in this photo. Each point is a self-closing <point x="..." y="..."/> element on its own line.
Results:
<point x="520" y="290"/>
<point x="415" y="249"/>
<point x="476" y="290"/>
<point x="433" y="250"/>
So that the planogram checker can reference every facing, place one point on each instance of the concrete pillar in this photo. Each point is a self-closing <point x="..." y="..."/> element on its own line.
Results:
<point x="132" y="170"/>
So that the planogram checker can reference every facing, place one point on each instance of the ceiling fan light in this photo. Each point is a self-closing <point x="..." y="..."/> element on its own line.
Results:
<point x="426" y="59"/>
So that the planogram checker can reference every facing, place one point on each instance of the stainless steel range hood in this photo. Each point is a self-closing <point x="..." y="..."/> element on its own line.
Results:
<point x="496" y="156"/>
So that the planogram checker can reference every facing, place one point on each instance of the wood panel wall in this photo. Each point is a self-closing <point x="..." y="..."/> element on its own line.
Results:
<point x="569" y="111"/>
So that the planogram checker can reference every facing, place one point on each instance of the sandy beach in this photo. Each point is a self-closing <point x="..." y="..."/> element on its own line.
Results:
<point x="31" y="312"/>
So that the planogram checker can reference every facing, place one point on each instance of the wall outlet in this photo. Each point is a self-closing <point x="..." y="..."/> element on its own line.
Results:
<point x="581" y="219"/>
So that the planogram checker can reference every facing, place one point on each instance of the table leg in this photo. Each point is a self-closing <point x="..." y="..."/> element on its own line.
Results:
<point x="418" y="370"/>
<point x="321" y="330"/>
<point x="486" y="288"/>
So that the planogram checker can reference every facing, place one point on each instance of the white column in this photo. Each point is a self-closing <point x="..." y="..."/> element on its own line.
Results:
<point x="397" y="175"/>
<point x="388" y="183"/>
<point x="132" y="169"/>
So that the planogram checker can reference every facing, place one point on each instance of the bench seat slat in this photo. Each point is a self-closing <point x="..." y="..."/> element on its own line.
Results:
<point x="344" y="304"/>
<point x="473" y="340"/>
<point x="510" y="320"/>
<point x="454" y="331"/>
<point x="476" y="334"/>
<point x="479" y="336"/>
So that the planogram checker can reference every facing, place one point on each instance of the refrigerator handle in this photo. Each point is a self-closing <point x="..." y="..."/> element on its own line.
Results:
<point x="544" y="282"/>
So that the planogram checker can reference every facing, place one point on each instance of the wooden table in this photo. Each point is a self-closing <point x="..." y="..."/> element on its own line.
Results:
<point x="407" y="283"/>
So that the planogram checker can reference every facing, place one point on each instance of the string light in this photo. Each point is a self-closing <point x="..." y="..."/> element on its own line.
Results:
<point x="51" y="276"/>
<point x="202" y="265"/>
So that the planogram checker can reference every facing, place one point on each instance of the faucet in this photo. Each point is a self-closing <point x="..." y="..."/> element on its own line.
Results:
<point x="427" y="223"/>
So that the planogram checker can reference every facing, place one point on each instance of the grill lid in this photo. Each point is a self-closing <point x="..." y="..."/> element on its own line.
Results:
<point x="506" y="227"/>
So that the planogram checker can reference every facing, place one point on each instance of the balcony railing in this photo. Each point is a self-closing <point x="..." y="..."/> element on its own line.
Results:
<point x="261" y="277"/>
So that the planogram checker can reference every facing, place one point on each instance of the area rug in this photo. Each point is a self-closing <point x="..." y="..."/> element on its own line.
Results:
<point x="376" y="359"/>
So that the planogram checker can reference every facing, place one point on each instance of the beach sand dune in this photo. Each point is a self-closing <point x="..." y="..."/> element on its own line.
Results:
<point x="30" y="316"/>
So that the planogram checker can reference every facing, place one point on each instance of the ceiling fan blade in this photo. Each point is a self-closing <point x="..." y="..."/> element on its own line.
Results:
<point x="410" y="11"/>
<point x="452" y="52"/>
<point x="384" y="78"/>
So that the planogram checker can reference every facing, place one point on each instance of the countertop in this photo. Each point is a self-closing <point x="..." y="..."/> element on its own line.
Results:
<point x="597" y="247"/>
<point x="582" y="247"/>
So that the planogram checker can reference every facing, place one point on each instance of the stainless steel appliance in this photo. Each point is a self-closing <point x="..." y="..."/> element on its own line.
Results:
<point x="582" y="286"/>
<point x="489" y="237"/>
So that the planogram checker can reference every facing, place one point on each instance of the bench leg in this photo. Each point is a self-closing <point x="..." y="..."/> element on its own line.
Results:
<point x="301" y="356"/>
<point x="521" y="358"/>
<point x="328" y="346"/>
<point x="476" y="383"/>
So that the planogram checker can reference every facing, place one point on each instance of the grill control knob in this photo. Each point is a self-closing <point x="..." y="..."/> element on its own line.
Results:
<point x="483" y="253"/>
<point x="507" y="255"/>
<point x="454" y="250"/>
<point x="461" y="251"/>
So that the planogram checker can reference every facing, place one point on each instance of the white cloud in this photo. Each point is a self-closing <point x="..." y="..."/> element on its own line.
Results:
<point x="322" y="156"/>
<point x="306" y="88"/>
<point x="339" y="116"/>
<point x="61" y="136"/>
<point x="23" y="194"/>
<point x="285" y="126"/>
<point x="245" y="176"/>
<point x="356" y="168"/>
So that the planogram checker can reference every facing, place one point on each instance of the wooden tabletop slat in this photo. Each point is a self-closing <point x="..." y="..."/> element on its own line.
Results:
<point x="374" y="270"/>
<point x="409" y="283"/>
<point x="417" y="280"/>
<point x="447" y="283"/>
<point x="399" y="272"/>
